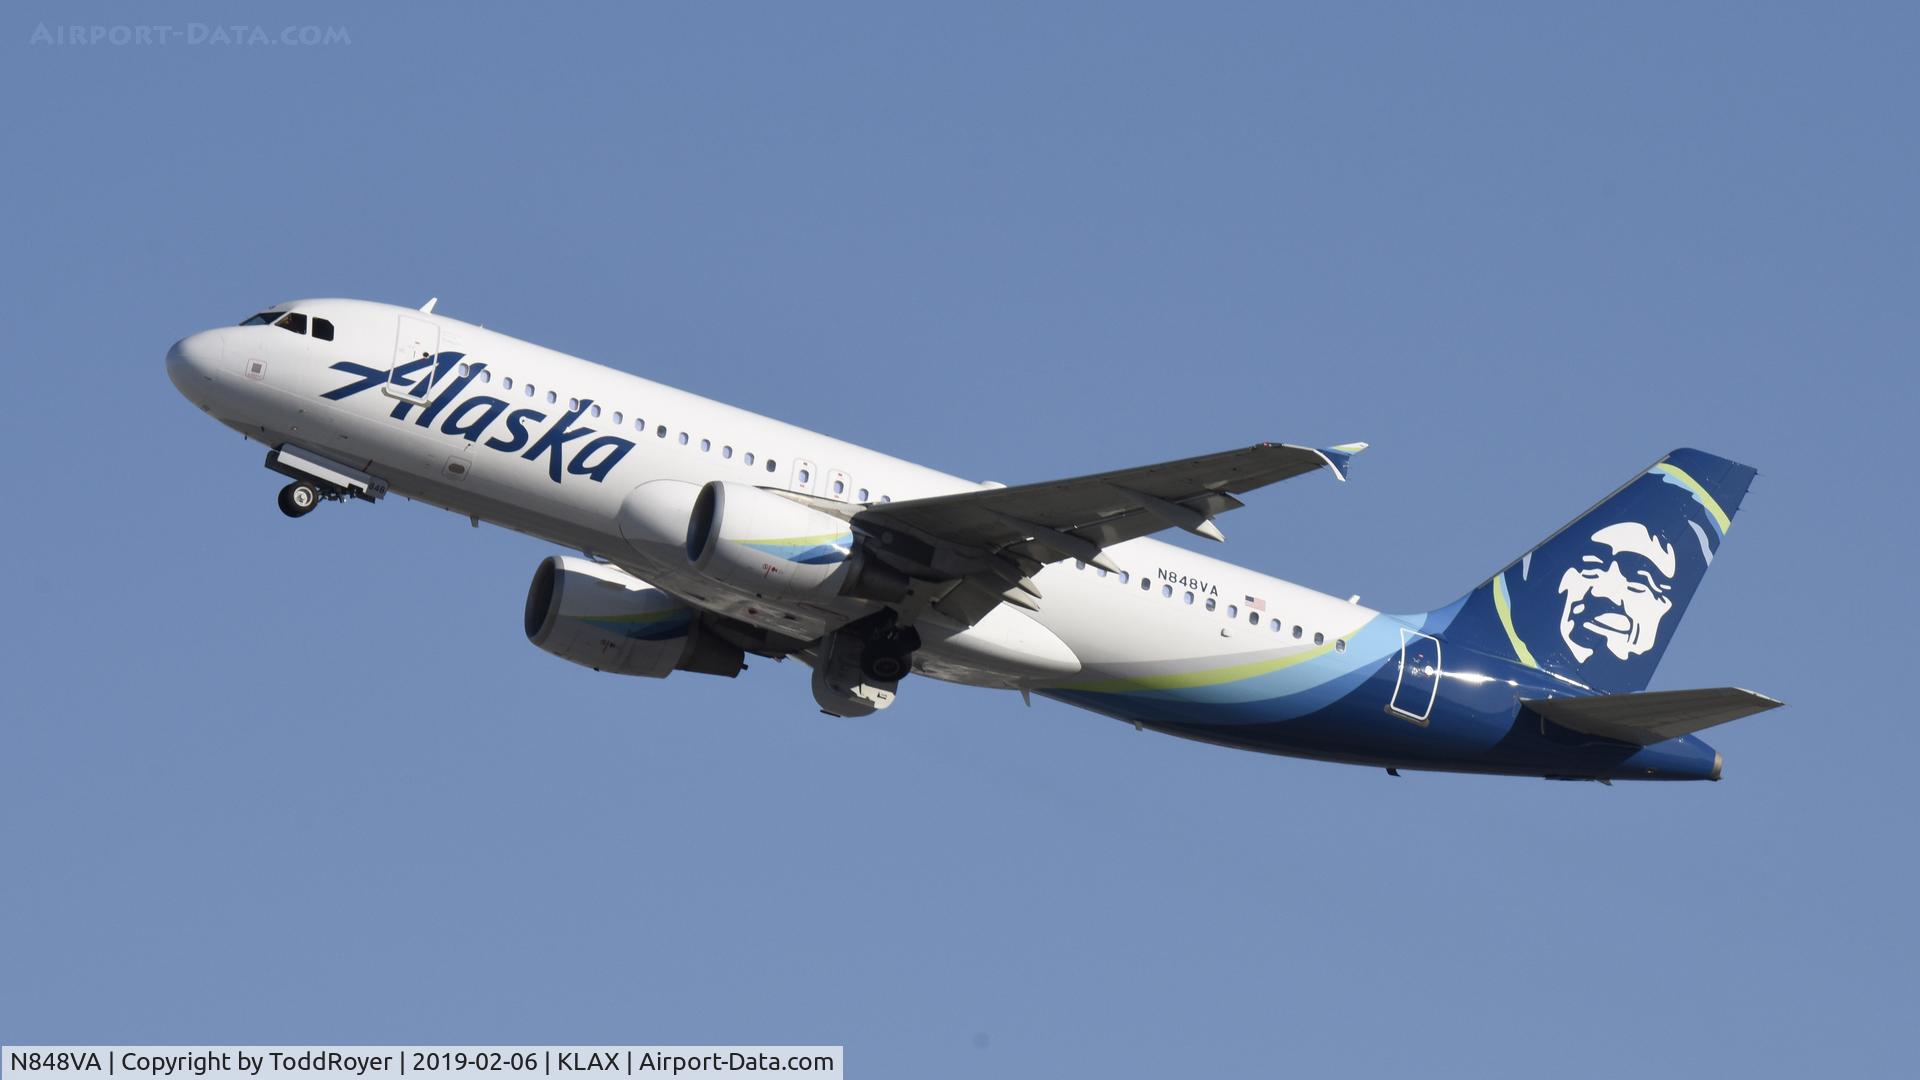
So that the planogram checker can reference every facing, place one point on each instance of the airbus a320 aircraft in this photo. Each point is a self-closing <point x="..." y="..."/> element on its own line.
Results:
<point x="709" y="533"/>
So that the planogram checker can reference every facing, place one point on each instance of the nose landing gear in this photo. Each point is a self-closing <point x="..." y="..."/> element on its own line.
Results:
<point x="316" y="478"/>
<point x="299" y="498"/>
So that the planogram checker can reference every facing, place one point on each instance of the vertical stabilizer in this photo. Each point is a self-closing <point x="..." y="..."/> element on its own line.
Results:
<point x="1598" y="601"/>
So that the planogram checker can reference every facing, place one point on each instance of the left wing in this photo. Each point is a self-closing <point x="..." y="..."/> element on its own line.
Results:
<point x="985" y="545"/>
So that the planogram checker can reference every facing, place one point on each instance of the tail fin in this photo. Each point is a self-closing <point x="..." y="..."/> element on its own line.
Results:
<point x="1598" y="601"/>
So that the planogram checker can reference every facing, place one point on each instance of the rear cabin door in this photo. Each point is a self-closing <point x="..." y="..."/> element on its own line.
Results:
<point x="1419" y="681"/>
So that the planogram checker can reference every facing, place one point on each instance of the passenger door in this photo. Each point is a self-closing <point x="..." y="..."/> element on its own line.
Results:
<point x="417" y="340"/>
<point x="1419" y="681"/>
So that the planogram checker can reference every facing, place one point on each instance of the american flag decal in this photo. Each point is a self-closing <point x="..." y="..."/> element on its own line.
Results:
<point x="1254" y="603"/>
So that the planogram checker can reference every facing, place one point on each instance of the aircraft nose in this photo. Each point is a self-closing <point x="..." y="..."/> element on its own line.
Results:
<point x="193" y="360"/>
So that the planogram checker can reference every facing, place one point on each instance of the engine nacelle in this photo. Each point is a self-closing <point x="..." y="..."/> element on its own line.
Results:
<point x="602" y="617"/>
<point x="777" y="548"/>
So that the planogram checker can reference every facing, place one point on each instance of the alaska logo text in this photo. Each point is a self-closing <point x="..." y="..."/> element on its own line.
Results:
<point x="513" y="431"/>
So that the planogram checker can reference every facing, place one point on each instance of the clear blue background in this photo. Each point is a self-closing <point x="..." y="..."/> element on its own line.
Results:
<point x="265" y="780"/>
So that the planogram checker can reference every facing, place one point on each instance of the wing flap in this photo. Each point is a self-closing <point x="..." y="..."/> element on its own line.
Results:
<point x="1652" y="716"/>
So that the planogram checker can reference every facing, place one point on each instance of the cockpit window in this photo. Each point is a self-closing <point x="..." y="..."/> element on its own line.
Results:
<point x="293" y="321"/>
<point x="262" y="319"/>
<point x="322" y="328"/>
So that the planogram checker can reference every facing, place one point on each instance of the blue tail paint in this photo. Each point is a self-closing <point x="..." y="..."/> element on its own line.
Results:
<point x="1598" y="601"/>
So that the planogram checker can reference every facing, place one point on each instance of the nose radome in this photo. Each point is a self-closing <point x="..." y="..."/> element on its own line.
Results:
<point x="193" y="360"/>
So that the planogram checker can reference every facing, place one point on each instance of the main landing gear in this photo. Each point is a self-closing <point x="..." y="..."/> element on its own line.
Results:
<point x="888" y="654"/>
<point x="859" y="666"/>
<point x="299" y="498"/>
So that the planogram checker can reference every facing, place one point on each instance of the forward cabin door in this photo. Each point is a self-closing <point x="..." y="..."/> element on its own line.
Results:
<point x="1419" y="682"/>
<point x="417" y="340"/>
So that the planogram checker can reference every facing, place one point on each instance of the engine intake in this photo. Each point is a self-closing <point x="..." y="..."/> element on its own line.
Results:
<point x="602" y="617"/>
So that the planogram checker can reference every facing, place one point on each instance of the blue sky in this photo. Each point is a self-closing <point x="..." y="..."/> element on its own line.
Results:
<point x="272" y="781"/>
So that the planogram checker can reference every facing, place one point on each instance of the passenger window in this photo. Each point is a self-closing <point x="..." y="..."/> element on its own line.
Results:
<point x="771" y="464"/>
<point x="706" y="445"/>
<point x="1145" y="584"/>
<point x="1253" y="618"/>
<point x="726" y="452"/>
<point x="661" y="431"/>
<point x="293" y="321"/>
<point x="506" y="382"/>
<point x="863" y="494"/>
<point x="1099" y="571"/>
<point x="461" y="371"/>
<point x="1339" y="644"/>
<point x="322" y="329"/>
<point x="1297" y="629"/>
<point x="1233" y="611"/>
<point x="1078" y="565"/>
<point x="886" y="498"/>
<point x="1274" y="626"/>
<point x="529" y="389"/>
<point x="553" y="397"/>
<point x="1210" y="603"/>
<point x="1189" y="598"/>
<point x="1319" y="638"/>
<point x="683" y="438"/>
<point x="618" y="419"/>
<point x="1125" y="576"/>
<point x="485" y="375"/>
<point x="1166" y="590"/>
<point x="839" y="487"/>
<point x="805" y="476"/>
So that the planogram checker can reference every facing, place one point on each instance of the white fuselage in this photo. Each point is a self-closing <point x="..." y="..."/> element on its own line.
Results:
<point x="473" y="459"/>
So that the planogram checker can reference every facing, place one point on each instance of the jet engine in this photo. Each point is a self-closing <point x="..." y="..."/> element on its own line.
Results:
<point x="774" y="547"/>
<point x="602" y="617"/>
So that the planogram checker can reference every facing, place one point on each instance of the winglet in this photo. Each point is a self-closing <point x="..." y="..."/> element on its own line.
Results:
<point x="1337" y="457"/>
<point x="427" y="307"/>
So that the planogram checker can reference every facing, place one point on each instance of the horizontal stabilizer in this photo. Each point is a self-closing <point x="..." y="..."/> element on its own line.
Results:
<point x="1651" y="717"/>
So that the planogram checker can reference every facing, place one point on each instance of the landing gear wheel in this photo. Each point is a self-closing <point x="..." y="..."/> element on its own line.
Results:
<point x="885" y="665"/>
<point x="298" y="499"/>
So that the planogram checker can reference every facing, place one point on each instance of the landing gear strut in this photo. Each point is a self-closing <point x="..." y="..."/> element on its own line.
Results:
<point x="299" y="498"/>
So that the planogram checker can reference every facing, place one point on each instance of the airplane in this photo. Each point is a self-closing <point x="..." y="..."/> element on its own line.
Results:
<point x="707" y="533"/>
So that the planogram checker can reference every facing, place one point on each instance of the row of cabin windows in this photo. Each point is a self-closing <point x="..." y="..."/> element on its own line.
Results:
<point x="618" y="418"/>
<point x="295" y="322"/>
<point x="1232" y="610"/>
<point x="298" y="323"/>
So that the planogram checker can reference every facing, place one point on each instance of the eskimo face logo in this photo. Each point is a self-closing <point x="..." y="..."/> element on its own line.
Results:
<point x="1616" y="594"/>
<point x="1599" y="601"/>
<point x="516" y="431"/>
